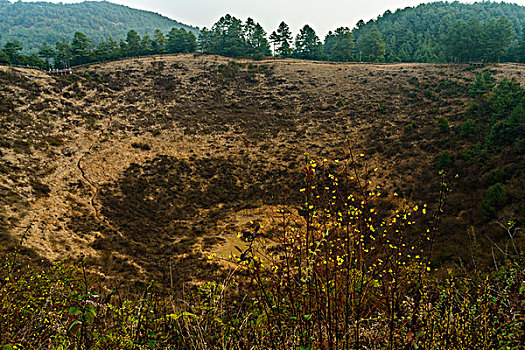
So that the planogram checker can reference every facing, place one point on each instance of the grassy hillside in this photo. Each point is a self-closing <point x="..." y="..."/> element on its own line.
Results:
<point x="154" y="159"/>
<point x="161" y="168"/>
<point x="38" y="22"/>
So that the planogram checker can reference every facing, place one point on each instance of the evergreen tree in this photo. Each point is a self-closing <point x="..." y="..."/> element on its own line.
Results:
<point x="190" y="42"/>
<point x="205" y="40"/>
<point x="47" y="52"/>
<point x="464" y="41"/>
<point x="107" y="50"/>
<point x="521" y="47"/>
<point x="181" y="41"/>
<point x="80" y="49"/>
<point x="450" y="31"/>
<point x="282" y="40"/>
<point x="159" y="42"/>
<point x="4" y="59"/>
<point x="36" y="22"/>
<point x="12" y="50"/>
<point x="132" y="45"/>
<point x="228" y="37"/>
<point x="62" y="54"/>
<point x="340" y="45"/>
<point x="371" y="46"/>
<point x="146" y="45"/>
<point x="256" y="43"/>
<point x="497" y="37"/>
<point x="307" y="44"/>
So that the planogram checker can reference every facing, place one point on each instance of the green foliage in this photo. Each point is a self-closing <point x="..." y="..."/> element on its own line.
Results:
<point x="62" y="54"/>
<point x="343" y="273"/>
<point x="468" y="129"/>
<point x="12" y="50"/>
<point x="445" y="160"/>
<point x="257" y="46"/>
<point x="339" y="46"/>
<point x="132" y="46"/>
<point x="520" y="54"/>
<point x="282" y="40"/>
<point x="372" y="46"/>
<point x="494" y="199"/>
<point x="226" y="38"/>
<point x="473" y="41"/>
<point x="81" y="49"/>
<point x="4" y="58"/>
<point x="160" y="41"/>
<point x="483" y="83"/>
<point x="507" y="95"/>
<point x="10" y="54"/>
<point x="107" y="50"/>
<point x="230" y="37"/>
<point x="508" y="130"/>
<point x="34" y="23"/>
<point x="449" y="31"/>
<point x="181" y="41"/>
<point x="307" y="44"/>
<point x="443" y="125"/>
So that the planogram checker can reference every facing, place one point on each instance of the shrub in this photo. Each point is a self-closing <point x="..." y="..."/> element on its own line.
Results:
<point x="339" y="272"/>
<point x="443" y="125"/>
<point x="343" y="270"/>
<point x="445" y="161"/>
<point x="494" y="199"/>
<point x="468" y="129"/>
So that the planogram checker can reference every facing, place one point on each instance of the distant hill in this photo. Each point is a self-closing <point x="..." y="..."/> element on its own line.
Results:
<point x="425" y="33"/>
<point x="33" y="23"/>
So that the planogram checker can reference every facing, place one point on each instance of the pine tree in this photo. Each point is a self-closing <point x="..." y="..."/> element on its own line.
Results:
<point x="190" y="42"/>
<point x="371" y="46"/>
<point x="80" y="49"/>
<point x="340" y="45"/>
<point x="107" y="50"/>
<point x="146" y="45"/>
<point x="62" y="54"/>
<point x="132" y="45"/>
<point x="521" y="47"/>
<point x="497" y="37"/>
<point x="159" y="42"/>
<point x="256" y="43"/>
<point x="182" y="41"/>
<point x="47" y="52"/>
<point x="282" y="40"/>
<point x="12" y="50"/>
<point x="307" y="44"/>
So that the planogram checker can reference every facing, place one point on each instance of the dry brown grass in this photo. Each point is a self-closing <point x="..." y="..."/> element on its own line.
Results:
<point x="225" y="137"/>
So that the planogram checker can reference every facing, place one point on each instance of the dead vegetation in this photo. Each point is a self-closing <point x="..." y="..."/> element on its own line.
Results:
<point x="179" y="153"/>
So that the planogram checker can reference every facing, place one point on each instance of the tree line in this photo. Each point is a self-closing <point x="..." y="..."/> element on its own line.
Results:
<point x="81" y="49"/>
<point x="450" y="32"/>
<point x="463" y="41"/>
<point x="460" y="40"/>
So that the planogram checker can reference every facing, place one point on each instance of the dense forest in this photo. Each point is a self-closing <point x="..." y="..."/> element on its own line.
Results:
<point x="32" y="23"/>
<point x="435" y="32"/>
<point x="446" y="32"/>
<point x="81" y="49"/>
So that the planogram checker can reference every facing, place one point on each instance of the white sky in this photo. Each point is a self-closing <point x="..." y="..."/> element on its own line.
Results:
<point x="322" y="16"/>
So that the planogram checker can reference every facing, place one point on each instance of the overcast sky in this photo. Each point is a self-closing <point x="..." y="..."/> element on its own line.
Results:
<point x="322" y="16"/>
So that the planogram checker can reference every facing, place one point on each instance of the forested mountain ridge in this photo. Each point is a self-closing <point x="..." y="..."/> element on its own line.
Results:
<point x="34" y="23"/>
<point x="444" y="32"/>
